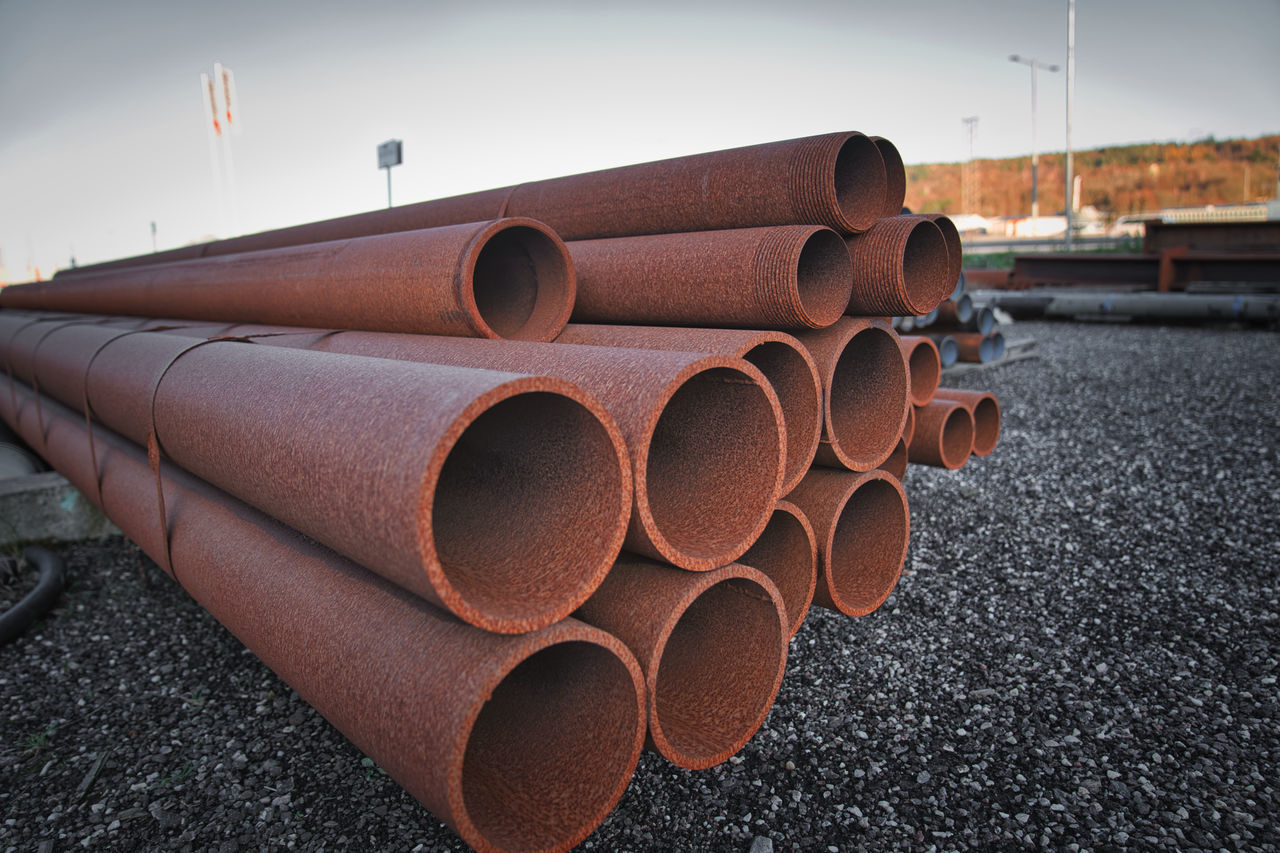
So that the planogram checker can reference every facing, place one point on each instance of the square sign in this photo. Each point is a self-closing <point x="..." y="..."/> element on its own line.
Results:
<point x="389" y="154"/>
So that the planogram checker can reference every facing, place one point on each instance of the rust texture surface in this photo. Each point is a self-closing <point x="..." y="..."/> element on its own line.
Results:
<point x="896" y="464"/>
<point x="783" y="360"/>
<point x="974" y="347"/>
<point x="713" y="647"/>
<point x="924" y="365"/>
<point x="502" y="497"/>
<point x="783" y="277"/>
<point x="900" y="267"/>
<point x="985" y="409"/>
<point x="787" y="555"/>
<point x="955" y="249"/>
<point x="517" y="742"/>
<point x="705" y="432"/>
<point x="864" y="391"/>
<point x="943" y="435"/>
<point x="862" y="523"/>
<point x="509" y="278"/>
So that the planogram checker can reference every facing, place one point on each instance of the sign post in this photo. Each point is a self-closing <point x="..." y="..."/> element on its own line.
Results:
<point x="389" y="154"/>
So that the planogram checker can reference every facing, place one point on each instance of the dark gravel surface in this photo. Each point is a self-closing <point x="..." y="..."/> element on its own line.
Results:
<point x="1081" y="654"/>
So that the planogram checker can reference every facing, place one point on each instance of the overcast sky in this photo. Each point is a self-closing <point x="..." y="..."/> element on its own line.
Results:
<point x="102" y="128"/>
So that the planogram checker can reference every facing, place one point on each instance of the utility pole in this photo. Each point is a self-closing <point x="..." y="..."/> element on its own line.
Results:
<point x="970" y="199"/>
<point x="1035" y="149"/>
<point x="1069" y="186"/>
<point x="390" y="153"/>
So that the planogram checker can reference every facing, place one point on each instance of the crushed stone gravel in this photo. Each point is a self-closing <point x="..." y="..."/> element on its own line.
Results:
<point x="1081" y="654"/>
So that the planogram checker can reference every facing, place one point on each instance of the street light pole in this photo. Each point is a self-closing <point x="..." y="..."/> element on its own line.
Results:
<point x="1034" y="63"/>
<point x="1071" y="85"/>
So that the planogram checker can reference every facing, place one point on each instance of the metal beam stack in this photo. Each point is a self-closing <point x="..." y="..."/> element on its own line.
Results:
<point x="502" y="563"/>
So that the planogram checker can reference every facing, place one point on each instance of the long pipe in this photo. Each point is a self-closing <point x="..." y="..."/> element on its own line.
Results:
<point x="862" y="524"/>
<point x="985" y="409"/>
<point x="787" y="555"/>
<point x="517" y="742"/>
<point x="502" y="498"/>
<point x="948" y="350"/>
<point x="943" y="435"/>
<point x="783" y="360"/>
<point x="900" y="266"/>
<point x="506" y="278"/>
<point x="782" y="277"/>
<point x="837" y="180"/>
<point x="924" y="366"/>
<point x="705" y="432"/>
<point x="954" y="312"/>
<point x="975" y="347"/>
<point x="712" y="645"/>
<point x="864" y="391"/>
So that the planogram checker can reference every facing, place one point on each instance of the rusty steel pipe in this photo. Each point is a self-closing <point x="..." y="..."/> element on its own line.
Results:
<point x="864" y="391"/>
<point x="787" y="555"/>
<point x="895" y="176"/>
<point x="712" y="645"/>
<point x="900" y="267"/>
<point x="521" y="742"/>
<point x="955" y="248"/>
<point x="954" y="313"/>
<point x="948" y="350"/>
<point x="506" y="278"/>
<point x="924" y="365"/>
<point x="502" y="498"/>
<point x="943" y="436"/>
<point x="783" y="360"/>
<point x="910" y="429"/>
<point x="782" y="277"/>
<point x="974" y="347"/>
<point x="985" y="409"/>
<point x="837" y="180"/>
<point x="705" y="432"/>
<point x="862" y="524"/>
<point x="896" y="464"/>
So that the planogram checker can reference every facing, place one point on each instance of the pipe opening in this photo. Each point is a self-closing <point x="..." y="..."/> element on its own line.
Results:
<point x="522" y="284"/>
<point x="785" y="553"/>
<point x="800" y="397"/>
<point x="986" y="349"/>
<point x="868" y="546"/>
<point x="551" y="749"/>
<point x="718" y="673"/>
<point x="924" y="268"/>
<point x="528" y="509"/>
<point x="868" y="397"/>
<point x="948" y="351"/>
<point x="823" y="278"/>
<point x="712" y="470"/>
<point x="986" y="426"/>
<point x="895" y="176"/>
<point x="860" y="182"/>
<point x="957" y="437"/>
<point x="926" y="372"/>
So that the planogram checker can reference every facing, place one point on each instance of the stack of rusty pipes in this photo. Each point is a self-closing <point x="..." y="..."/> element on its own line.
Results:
<point x="639" y="513"/>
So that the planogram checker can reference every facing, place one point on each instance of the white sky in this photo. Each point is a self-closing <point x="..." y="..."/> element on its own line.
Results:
<point x="102" y="129"/>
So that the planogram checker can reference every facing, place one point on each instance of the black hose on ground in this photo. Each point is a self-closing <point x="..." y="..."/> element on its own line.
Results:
<point x="19" y="617"/>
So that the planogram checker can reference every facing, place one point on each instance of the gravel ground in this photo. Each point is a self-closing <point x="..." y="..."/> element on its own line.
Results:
<point x="1081" y="654"/>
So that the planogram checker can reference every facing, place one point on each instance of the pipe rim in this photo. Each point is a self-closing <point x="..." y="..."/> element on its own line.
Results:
<point x="864" y="419"/>
<point x="955" y="247"/>
<point x="895" y="176"/>
<point x="691" y="635"/>
<point x="955" y="439"/>
<point x="924" y="265"/>
<point x="867" y="521"/>
<point x="494" y="264"/>
<point x="793" y="375"/>
<point x="823" y="278"/>
<point x="773" y="555"/>
<point x="924" y="366"/>
<point x="526" y="599"/>
<point x="986" y="424"/>
<point x="747" y="434"/>
<point x="477" y="827"/>
<point x="858" y="182"/>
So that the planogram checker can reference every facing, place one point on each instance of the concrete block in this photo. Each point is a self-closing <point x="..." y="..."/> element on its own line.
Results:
<point x="46" y="506"/>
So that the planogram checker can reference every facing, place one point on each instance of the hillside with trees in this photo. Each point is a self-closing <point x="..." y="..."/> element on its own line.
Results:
<point x="1118" y="180"/>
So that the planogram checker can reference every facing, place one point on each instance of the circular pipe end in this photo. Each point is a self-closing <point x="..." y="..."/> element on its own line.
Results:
<point x="895" y="176"/>
<point x="520" y="279"/>
<point x="720" y="661"/>
<point x="711" y="469"/>
<point x="986" y="425"/>
<point x="792" y="374"/>
<point x="955" y="248"/>
<point x="787" y="555"/>
<point x="525" y="506"/>
<point x="552" y="747"/>
<point x="867" y="544"/>
<point x="925" y="274"/>
<point x="924" y="366"/>
<point x="866" y="398"/>
<point x="824" y="279"/>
